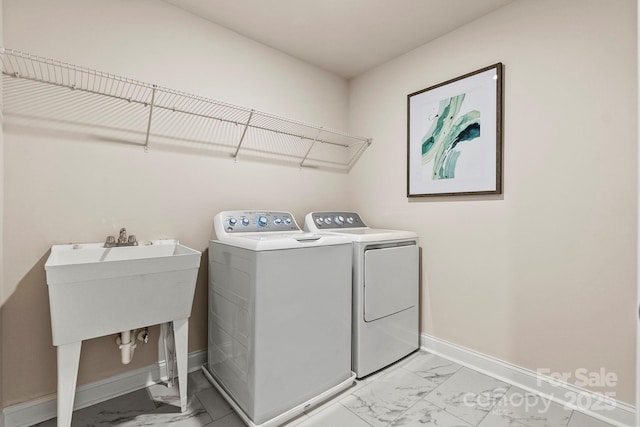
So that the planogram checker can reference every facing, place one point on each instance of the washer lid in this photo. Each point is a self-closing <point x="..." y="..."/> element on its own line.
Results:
<point x="372" y="234"/>
<point x="350" y="225"/>
<point x="285" y="240"/>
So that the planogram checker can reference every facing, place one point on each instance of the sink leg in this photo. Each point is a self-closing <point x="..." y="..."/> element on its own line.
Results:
<point x="181" y="339"/>
<point x="68" y="360"/>
<point x="168" y="353"/>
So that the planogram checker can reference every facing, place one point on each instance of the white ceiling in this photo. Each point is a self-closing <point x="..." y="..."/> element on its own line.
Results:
<point x="346" y="37"/>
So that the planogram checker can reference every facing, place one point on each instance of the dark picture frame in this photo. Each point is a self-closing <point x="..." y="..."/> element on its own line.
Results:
<point x="454" y="136"/>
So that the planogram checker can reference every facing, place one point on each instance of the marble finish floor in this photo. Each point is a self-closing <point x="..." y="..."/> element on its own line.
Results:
<point x="421" y="390"/>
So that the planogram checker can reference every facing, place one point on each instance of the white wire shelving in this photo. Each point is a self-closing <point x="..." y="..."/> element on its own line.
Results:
<point x="68" y="97"/>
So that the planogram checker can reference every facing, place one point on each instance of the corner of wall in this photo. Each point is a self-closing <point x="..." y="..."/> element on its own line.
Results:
<point x="1" y="229"/>
<point x="637" y="383"/>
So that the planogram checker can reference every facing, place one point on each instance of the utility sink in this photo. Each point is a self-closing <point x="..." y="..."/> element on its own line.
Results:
<point x="96" y="291"/>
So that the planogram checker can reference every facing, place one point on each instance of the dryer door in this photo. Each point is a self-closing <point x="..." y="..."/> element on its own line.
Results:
<point x="390" y="280"/>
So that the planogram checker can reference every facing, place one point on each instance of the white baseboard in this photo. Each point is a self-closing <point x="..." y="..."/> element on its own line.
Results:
<point x="594" y="404"/>
<point x="39" y="410"/>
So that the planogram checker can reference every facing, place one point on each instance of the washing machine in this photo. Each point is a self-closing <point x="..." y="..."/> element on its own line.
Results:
<point x="385" y="289"/>
<point x="279" y="315"/>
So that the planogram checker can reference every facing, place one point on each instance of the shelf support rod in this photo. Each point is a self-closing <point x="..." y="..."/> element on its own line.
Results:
<point x="312" y="144"/>
<point x="153" y="97"/>
<point x="244" y="133"/>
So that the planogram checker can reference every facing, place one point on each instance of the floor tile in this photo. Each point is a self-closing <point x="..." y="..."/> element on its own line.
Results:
<point x="432" y="367"/>
<point x="420" y="390"/>
<point x="195" y="415"/>
<point x="197" y="382"/>
<point x="385" y="399"/>
<point x="213" y="402"/>
<point x="231" y="420"/>
<point x="138" y="409"/>
<point x="519" y="408"/>
<point x="376" y="375"/>
<point x="426" y="414"/>
<point x="123" y="407"/>
<point x="578" y="419"/>
<point x="335" y="415"/>
<point x="469" y="395"/>
<point x="161" y="394"/>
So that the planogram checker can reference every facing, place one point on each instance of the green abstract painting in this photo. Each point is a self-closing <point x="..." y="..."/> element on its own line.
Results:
<point x="454" y="136"/>
<point x="441" y="142"/>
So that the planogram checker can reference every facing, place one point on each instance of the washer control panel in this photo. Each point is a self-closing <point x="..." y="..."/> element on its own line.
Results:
<point x="256" y="221"/>
<point x="327" y="220"/>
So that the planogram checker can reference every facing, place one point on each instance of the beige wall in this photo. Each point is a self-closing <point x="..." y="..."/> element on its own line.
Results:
<point x="65" y="187"/>
<point x="543" y="276"/>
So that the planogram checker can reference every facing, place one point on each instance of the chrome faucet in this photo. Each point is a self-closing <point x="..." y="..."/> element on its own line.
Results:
<point x="123" y="240"/>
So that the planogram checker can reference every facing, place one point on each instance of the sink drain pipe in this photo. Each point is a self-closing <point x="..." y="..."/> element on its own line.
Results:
<point x="127" y="344"/>
<point x="126" y="341"/>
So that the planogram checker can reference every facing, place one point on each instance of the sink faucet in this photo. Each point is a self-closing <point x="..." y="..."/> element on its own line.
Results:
<point x="123" y="240"/>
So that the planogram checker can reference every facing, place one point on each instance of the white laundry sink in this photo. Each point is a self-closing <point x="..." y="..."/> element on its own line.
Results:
<point x="96" y="291"/>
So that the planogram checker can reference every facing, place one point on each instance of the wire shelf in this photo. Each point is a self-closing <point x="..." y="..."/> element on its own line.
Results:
<point x="66" y="96"/>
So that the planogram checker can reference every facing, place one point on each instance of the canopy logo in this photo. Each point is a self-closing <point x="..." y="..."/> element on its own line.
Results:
<point x="504" y="401"/>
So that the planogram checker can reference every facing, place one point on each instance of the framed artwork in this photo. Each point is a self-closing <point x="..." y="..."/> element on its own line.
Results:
<point x="454" y="136"/>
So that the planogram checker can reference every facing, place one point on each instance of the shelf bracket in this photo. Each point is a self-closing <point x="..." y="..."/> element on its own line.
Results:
<point x="311" y="147"/>
<point x="364" y="146"/>
<point x="244" y="133"/>
<point x="153" y="97"/>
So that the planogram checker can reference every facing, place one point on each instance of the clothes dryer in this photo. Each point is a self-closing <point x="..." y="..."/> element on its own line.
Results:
<point x="385" y="289"/>
<point x="279" y="315"/>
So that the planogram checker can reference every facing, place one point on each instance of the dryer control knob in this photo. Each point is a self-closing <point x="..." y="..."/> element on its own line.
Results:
<point x="277" y="221"/>
<point x="339" y="220"/>
<point x="328" y="220"/>
<point x="245" y="221"/>
<point x="350" y="220"/>
<point x="287" y="221"/>
<point x="232" y="221"/>
<point x="319" y="220"/>
<point x="262" y="221"/>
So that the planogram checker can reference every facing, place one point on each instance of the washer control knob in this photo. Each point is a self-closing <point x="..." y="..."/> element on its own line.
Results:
<point x="319" y="220"/>
<point x="287" y="221"/>
<point x="328" y="220"/>
<point x="245" y="221"/>
<point x="277" y="221"/>
<point x="232" y="221"/>
<point x="262" y="221"/>
<point x="350" y="220"/>
<point x="339" y="220"/>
